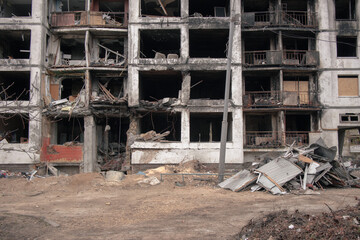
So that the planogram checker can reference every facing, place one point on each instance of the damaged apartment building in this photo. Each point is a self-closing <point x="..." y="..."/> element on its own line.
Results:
<point x="111" y="84"/>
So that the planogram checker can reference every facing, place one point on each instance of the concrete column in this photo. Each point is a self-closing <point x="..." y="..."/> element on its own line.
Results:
<point x="184" y="48"/>
<point x="185" y="127"/>
<point x="236" y="85"/>
<point x="185" y="88"/>
<point x="282" y="127"/>
<point x="90" y="148"/>
<point x="184" y="8"/>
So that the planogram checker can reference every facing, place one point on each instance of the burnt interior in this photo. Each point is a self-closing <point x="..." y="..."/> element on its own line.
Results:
<point x="73" y="49"/>
<point x="14" y="127"/>
<point x="162" y="41"/>
<point x="207" y="84"/>
<point x="346" y="46"/>
<point x="14" y="86"/>
<point x="169" y="8"/>
<point x="161" y="122"/>
<point x="345" y="10"/>
<point x="209" y="8"/>
<point x="70" y="130"/>
<point x="71" y="87"/>
<point x="15" y="44"/>
<point x="15" y="8"/>
<point x="208" y="43"/>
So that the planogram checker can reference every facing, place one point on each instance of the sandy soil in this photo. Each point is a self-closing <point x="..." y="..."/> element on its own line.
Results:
<point x="85" y="206"/>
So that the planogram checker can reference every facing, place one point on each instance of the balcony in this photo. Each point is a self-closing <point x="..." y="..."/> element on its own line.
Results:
<point x="273" y="99"/>
<point x="83" y="18"/>
<point x="274" y="139"/>
<point x="301" y="58"/>
<point x="296" y="19"/>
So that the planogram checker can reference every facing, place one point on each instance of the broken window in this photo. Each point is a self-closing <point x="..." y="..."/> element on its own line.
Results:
<point x="260" y="91"/>
<point x="205" y="43"/>
<point x="15" y="44"/>
<point x="159" y="43"/>
<point x="73" y="51"/>
<point x="14" y="128"/>
<point x="209" y="8"/>
<point x="348" y="86"/>
<point x="257" y="46"/>
<point x="15" y="8"/>
<point x="346" y="46"/>
<point x="207" y="84"/>
<point x="349" y="118"/>
<point x="71" y="87"/>
<point x="14" y="86"/>
<point x="345" y="10"/>
<point x="70" y="130"/>
<point x="168" y="8"/>
<point x="162" y="122"/>
<point x="293" y="5"/>
<point x="206" y="127"/>
<point x="156" y="85"/>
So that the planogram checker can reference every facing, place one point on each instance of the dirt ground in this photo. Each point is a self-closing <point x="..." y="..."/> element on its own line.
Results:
<point x="85" y="206"/>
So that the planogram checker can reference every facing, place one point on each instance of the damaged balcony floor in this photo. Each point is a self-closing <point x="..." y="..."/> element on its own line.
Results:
<point x="84" y="206"/>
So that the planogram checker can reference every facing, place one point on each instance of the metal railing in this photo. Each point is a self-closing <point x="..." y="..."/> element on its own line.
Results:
<point x="262" y="98"/>
<point x="294" y="57"/>
<point x="255" y="57"/>
<point x="285" y="57"/>
<point x="274" y="139"/>
<point x="80" y="18"/>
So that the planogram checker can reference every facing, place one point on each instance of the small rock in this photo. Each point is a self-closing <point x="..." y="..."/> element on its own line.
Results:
<point x="291" y="226"/>
<point x="114" y="176"/>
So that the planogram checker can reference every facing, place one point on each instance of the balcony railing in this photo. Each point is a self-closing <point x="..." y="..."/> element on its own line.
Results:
<point x="296" y="19"/>
<point x="81" y="18"/>
<point x="280" y="99"/>
<point x="285" y="57"/>
<point x="275" y="139"/>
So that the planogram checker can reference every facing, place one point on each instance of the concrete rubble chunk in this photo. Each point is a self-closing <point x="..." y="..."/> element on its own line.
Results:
<point x="239" y="181"/>
<point x="151" y="181"/>
<point x="114" y="176"/>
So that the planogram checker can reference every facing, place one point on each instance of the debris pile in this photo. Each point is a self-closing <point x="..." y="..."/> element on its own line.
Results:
<point x="309" y="167"/>
<point x="152" y="136"/>
<point x="160" y="104"/>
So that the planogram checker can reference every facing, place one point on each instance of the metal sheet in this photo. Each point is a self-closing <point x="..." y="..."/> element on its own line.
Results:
<point x="239" y="181"/>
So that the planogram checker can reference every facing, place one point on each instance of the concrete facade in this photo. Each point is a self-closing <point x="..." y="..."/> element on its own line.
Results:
<point x="101" y="73"/>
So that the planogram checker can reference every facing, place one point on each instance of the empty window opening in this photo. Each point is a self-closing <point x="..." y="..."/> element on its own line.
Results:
<point x="298" y="123"/>
<point x="15" y="8"/>
<point x="261" y="131"/>
<point x="294" y="5"/>
<point x="345" y="9"/>
<point x="206" y="127"/>
<point x="111" y="135"/>
<point x="256" y="5"/>
<point x="258" y="123"/>
<point x="72" y="50"/>
<point x="207" y="43"/>
<point x="156" y="85"/>
<point x="346" y="46"/>
<point x="14" y="86"/>
<point x="257" y="83"/>
<point x="162" y="122"/>
<point x="295" y="44"/>
<point x="69" y="5"/>
<point x="71" y="87"/>
<point x="111" y="51"/>
<point x="209" y="8"/>
<point x="257" y="42"/>
<point x="14" y="128"/>
<point x="349" y="117"/>
<point x="207" y="84"/>
<point x="348" y="86"/>
<point x="70" y="130"/>
<point x="15" y="44"/>
<point x="159" y="41"/>
<point x="110" y="6"/>
<point x="113" y="83"/>
<point x="169" y="8"/>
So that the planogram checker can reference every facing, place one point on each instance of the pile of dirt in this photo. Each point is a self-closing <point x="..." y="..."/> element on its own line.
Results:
<point x="341" y="224"/>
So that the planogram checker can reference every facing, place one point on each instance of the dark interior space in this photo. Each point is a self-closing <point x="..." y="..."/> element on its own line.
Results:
<point x="116" y="45"/>
<point x="346" y="46"/>
<point x="111" y="6"/>
<point x="257" y="83"/>
<point x="15" y="8"/>
<point x="207" y="84"/>
<point x="168" y="8"/>
<point x="70" y="5"/>
<point x="209" y="8"/>
<point x="345" y="10"/>
<point x="15" y="44"/>
<point x="295" y="44"/>
<point x="208" y="43"/>
<point x="162" y="122"/>
<point x="256" y="5"/>
<point x="258" y="123"/>
<point x="298" y="122"/>
<point x="162" y="41"/>
<point x="70" y="130"/>
<point x="257" y="42"/>
<point x="206" y="127"/>
<point x="71" y="87"/>
<point x="114" y="84"/>
<point x="293" y="5"/>
<point x="156" y="85"/>
<point x="116" y="134"/>
<point x="14" y="128"/>
<point x="74" y="48"/>
<point x="14" y="86"/>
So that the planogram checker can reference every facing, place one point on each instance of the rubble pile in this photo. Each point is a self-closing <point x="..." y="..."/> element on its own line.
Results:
<point x="309" y="167"/>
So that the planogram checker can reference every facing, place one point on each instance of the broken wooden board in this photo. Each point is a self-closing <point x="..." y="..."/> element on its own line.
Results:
<point x="305" y="159"/>
<point x="239" y="181"/>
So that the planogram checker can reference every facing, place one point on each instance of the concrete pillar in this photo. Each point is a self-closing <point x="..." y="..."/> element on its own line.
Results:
<point x="90" y="149"/>
<point x="282" y="127"/>
<point x="185" y="88"/>
<point x="185" y="127"/>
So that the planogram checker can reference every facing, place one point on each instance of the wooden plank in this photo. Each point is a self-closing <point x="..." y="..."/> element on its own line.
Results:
<point x="348" y="86"/>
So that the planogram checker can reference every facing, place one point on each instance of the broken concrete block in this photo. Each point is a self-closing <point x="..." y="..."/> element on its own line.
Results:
<point x="151" y="180"/>
<point x="160" y="55"/>
<point x="114" y="176"/>
<point x="172" y="56"/>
